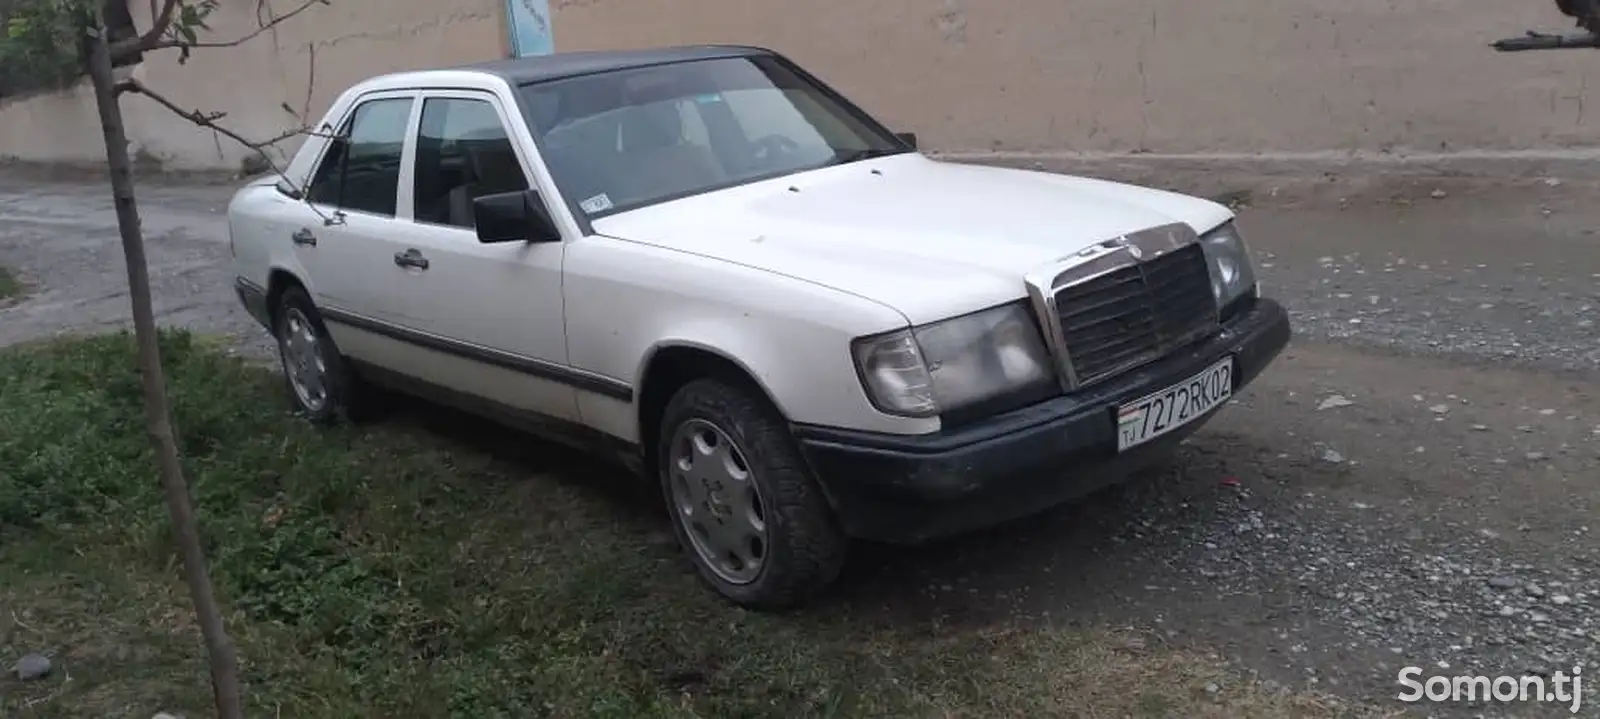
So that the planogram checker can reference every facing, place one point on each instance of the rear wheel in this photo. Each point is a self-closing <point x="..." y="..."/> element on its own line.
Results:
<point x="320" y="384"/>
<point x="744" y="507"/>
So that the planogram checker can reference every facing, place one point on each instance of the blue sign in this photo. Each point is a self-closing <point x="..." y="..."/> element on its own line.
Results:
<point x="530" y="27"/>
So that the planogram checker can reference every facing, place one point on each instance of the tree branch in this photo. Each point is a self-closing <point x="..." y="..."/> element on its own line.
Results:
<point x="261" y="28"/>
<point x="158" y="28"/>
<point x="211" y="121"/>
<point x="165" y="35"/>
<point x="311" y="84"/>
<point x="208" y="120"/>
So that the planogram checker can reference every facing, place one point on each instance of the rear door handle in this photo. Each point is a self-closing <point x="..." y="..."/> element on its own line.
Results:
<point x="411" y="258"/>
<point x="303" y="236"/>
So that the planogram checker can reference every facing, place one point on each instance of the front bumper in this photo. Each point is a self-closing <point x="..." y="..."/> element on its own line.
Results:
<point x="901" y="489"/>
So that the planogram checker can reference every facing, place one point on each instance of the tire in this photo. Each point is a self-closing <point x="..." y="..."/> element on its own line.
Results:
<point x="343" y="395"/>
<point x="802" y="548"/>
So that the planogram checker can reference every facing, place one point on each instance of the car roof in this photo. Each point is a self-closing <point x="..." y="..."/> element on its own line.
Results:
<point x="540" y="68"/>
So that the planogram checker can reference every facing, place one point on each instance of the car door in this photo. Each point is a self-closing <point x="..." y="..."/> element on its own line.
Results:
<point x="490" y="314"/>
<point x="344" y="240"/>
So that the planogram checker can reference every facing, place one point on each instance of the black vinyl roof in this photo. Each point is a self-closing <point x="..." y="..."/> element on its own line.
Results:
<point x="524" y="70"/>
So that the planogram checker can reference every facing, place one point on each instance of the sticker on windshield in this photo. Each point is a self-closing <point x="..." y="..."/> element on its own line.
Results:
<point x="598" y="203"/>
<point x="708" y="98"/>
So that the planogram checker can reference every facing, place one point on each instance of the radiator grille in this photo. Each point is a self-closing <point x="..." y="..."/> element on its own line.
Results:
<point x="1132" y="315"/>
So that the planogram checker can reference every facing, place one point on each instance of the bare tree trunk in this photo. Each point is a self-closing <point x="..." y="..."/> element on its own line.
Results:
<point x="158" y="421"/>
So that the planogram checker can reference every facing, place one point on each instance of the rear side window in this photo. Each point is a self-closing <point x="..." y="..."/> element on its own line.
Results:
<point x="463" y="153"/>
<point x="362" y="172"/>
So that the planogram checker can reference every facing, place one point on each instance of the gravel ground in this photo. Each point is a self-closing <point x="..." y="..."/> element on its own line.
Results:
<point x="1414" y="483"/>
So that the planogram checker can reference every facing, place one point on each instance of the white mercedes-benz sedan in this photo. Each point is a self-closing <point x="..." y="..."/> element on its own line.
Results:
<point x="705" y="262"/>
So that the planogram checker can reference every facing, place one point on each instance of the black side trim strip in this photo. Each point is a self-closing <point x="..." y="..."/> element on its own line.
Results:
<point x="604" y="386"/>
<point x="566" y="432"/>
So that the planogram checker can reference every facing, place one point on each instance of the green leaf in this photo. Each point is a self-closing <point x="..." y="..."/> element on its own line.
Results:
<point x="39" y="44"/>
<point x="17" y="27"/>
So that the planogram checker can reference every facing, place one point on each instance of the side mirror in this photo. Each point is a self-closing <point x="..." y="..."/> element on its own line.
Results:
<point x="514" y="217"/>
<point x="909" y="138"/>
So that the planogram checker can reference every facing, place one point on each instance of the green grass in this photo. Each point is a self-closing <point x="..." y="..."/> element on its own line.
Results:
<point x="390" y="571"/>
<point x="10" y="286"/>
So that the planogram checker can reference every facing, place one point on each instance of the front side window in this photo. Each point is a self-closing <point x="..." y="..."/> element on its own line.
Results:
<point x="621" y="140"/>
<point x="463" y="153"/>
<point x="361" y="171"/>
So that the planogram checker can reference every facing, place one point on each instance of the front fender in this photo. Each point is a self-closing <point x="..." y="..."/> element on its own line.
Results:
<point x="626" y="302"/>
<point x="810" y="379"/>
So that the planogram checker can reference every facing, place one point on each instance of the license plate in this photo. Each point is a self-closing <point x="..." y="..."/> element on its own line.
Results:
<point x="1161" y="412"/>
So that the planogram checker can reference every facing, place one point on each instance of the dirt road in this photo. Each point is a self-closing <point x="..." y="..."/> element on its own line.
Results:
<point x="1415" y="483"/>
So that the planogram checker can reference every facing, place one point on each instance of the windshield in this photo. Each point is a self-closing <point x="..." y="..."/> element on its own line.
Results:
<point x="621" y="140"/>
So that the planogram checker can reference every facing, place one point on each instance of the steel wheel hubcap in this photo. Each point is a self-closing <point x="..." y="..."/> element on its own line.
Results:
<point x="716" y="498"/>
<point x="302" y="360"/>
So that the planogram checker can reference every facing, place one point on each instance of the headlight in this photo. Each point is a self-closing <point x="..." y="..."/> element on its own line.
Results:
<point x="1232" y="275"/>
<point x="923" y="371"/>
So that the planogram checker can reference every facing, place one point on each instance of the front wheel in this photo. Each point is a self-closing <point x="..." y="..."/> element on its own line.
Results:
<point x="744" y="506"/>
<point x="320" y="384"/>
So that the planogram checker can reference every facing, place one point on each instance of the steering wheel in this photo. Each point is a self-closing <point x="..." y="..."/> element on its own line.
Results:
<point x="771" y="146"/>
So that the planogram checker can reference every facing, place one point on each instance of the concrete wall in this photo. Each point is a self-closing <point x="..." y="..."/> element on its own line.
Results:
<point x="349" y="39"/>
<point x="1111" y="76"/>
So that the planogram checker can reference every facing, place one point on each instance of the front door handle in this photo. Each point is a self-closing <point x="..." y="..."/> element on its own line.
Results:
<point x="411" y="258"/>
<point x="303" y="236"/>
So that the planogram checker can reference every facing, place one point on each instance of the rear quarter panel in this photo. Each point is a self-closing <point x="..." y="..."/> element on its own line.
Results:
<point x="260" y="220"/>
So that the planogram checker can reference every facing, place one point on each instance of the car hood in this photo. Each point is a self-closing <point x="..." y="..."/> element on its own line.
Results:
<point x="931" y="239"/>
